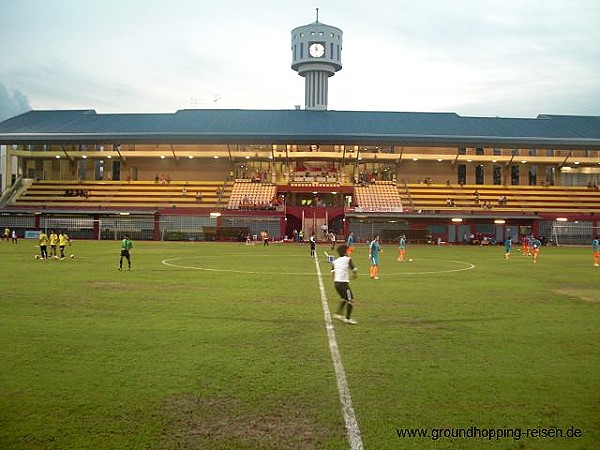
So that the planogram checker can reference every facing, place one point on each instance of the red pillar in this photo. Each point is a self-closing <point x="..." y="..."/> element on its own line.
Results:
<point x="96" y="228"/>
<point x="156" y="236"/>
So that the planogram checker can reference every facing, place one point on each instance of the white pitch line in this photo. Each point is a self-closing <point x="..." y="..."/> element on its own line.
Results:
<point x="352" y="430"/>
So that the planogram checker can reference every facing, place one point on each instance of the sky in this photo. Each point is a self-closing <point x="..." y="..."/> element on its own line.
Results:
<point x="509" y="58"/>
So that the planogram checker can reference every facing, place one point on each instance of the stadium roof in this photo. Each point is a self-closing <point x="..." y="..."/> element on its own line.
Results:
<point x="302" y="126"/>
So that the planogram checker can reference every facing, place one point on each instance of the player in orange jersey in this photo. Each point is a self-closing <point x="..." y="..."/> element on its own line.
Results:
<point x="535" y="245"/>
<point x="525" y="246"/>
<point x="401" y="248"/>
<point x="350" y="244"/>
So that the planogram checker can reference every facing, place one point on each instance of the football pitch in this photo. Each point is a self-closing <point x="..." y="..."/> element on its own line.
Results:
<point x="233" y="346"/>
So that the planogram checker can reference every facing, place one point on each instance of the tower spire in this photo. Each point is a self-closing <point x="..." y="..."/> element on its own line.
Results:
<point x="316" y="56"/>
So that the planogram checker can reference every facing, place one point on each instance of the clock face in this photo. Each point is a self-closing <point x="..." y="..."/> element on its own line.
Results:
<point x="316" y="50"/>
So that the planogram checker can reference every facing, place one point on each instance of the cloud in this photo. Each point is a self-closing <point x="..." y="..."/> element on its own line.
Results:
<point x="12" y="102"/>
<point x="472" y="57"/>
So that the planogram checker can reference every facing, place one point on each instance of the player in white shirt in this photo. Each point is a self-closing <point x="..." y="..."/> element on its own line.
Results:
<point x="342" y="270"/>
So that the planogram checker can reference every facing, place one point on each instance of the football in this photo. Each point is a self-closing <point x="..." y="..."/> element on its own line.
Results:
<point x="36" y="256"/>
<point x="410" y="260"/>
<point x="72" y="256"/>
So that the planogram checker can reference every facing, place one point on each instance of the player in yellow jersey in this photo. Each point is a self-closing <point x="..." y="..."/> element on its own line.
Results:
<point x="63" y="240"/>
<point x="53" y="241"/>
<point x="43" y="240"/>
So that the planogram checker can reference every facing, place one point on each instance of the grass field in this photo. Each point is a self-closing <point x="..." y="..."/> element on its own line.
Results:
<point x="224" y="346"/>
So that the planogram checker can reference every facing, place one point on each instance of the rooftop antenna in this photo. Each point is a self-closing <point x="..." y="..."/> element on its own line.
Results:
<point x="317" y="15"/>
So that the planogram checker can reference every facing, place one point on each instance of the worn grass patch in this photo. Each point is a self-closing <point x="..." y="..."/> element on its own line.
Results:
<point x="211" y="423"/>
<point x="586" y="295"/>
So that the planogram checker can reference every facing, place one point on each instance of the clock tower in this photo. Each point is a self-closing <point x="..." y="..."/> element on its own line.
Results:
<point x="316" y="55"/>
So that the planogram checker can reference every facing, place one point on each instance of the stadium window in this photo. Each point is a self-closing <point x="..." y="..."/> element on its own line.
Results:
<point x="462" y="150"/>
<point x="479" y="151"/>
<point x="497" y="174"/>
<point x="479" y="174"/>
<point x="532" y="152"/>
<point x="497" y="152"/>
<point x="301" y="50"/>
<point x="532" y="175"/>
<point x="549" y="152"/>
<point x="461" y="173"/>
<point x="514" y="175"/>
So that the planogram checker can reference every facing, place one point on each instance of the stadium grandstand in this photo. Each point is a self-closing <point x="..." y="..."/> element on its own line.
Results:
<point x="217" y="174"/>
<point x="205" y="174"/>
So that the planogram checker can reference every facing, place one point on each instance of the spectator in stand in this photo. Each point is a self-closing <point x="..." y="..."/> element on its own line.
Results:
<point x="246" y="202"/>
